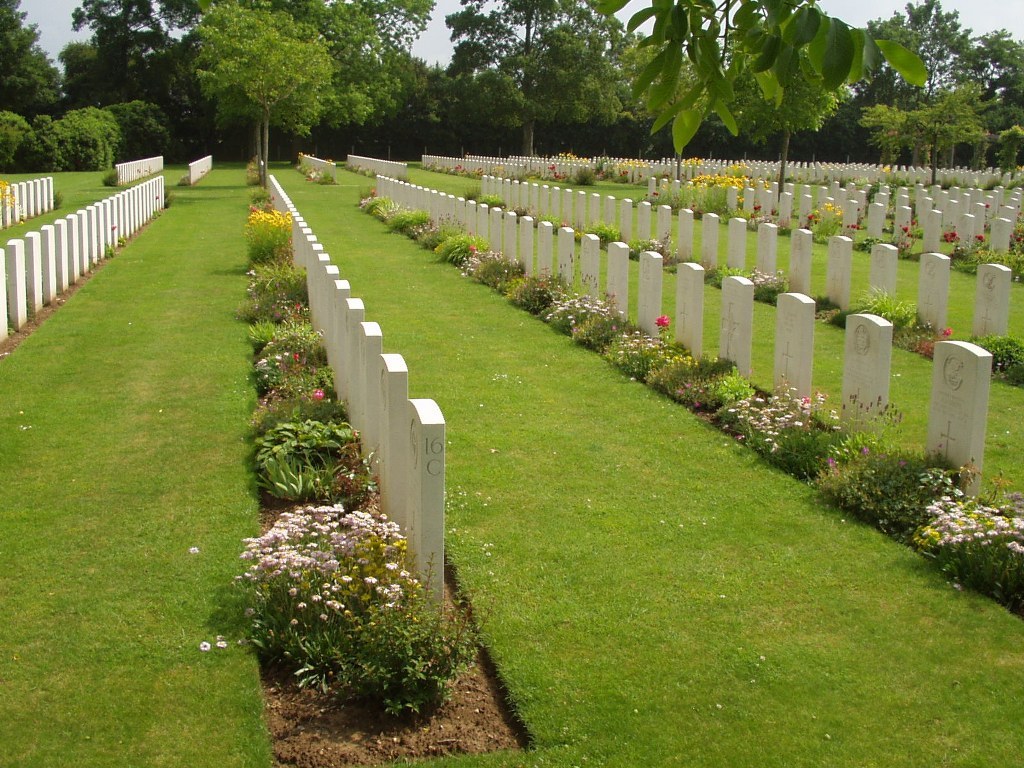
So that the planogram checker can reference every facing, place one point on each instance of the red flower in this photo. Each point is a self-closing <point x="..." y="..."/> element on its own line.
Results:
<point x="947" y="332"/>
<point x="296" y="356"/>
<point x="662" y="321"/>
<point x="318" y="394"/>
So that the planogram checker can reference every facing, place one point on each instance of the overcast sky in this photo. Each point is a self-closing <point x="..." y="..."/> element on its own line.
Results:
<point x="53" y="17"/>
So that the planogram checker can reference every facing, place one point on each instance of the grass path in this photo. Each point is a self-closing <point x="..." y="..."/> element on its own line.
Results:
<point x="654" y="595"/>
<point x="121" y="447"/>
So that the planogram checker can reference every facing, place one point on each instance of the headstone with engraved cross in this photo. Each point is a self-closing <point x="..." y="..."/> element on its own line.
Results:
<point x="992" y="300"/>
<point x="867" y="362"/>
<point x="961" y="375"/>
<point x="737" y="322"/>
<point x="794" y="342"/>
<point x="690" y="307"/>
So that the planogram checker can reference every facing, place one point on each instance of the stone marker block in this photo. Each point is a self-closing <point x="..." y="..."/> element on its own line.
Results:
<point x="992" y="300"/>
<point x="794" y="343"/>
<point x="801" y="243"/>
<point x="567" y="256"/>
<point x="394" y="463"/>
<point x="837" y="275"/>
<point x="649" y="299"/>
<point x="709" y="240"/>
<point x="767" y="248"/>
<point x="684" y="238"/>
<point x="590" y="265"/>
<point x="690" y="307"/>
<point x="425" y="531"/>
<point x="618" y="277"/>
<point x="867" y="359"/>
<point x="17" y="289"/>
<point x="545" y="246"/>
<point x="961" y="376"/>
<point x="526" y="243"/>
<point x="933" y="290"/>
<point x="737" y="322"/>
<point x="882" y="275"/>
<point x="737" y="255"/>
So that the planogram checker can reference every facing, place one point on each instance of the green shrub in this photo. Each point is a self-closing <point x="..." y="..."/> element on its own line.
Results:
<point x="380" y="207"/>
<point x="534" y="293"/>
<point x="295" y="346"/>
<point x="458" y="248"/>
<point x="306" y="441"/>
<point x="598" y="331"/>
<point x="110" y="178"/>
<point x="259" y="197"/>
<point x="405" y="221"/>
<point x="331" y="597"/>
<point x="767" y="287"/>
<point x="902" y="314"/>
<point x="491" y="201"/>
<point x="979" y="545"/>
<point x="1007" y="351"/>
<point x="268" y="234"/>
<point x="891" y="490"/>
<point x="270" y="414"/>
<point x="14" y="132"/>
<point x="793" y="433"/>
<point x="584" y="177"/>
<point x="143" y="129"/>
<point x="606" y="233"/>
<point x="638" y="355"/>
<point x="704" y="384"/>
<point x="493" y="270"/>
<point x="87" y="139"/>
<point x="431" y="237"/>
<point x="277" y="292"/>
<point x="261" y="334"/>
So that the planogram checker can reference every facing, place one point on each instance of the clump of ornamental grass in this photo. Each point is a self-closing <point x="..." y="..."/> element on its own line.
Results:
<point x="458" y="248"/>
<point x="331" y="596"/>
<point x="980" y="545"/>
<point x="268" y="234"/>
<point x="405" y="222"/>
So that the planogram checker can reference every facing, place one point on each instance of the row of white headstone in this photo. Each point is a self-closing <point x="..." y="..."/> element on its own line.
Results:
<point x="26" y="200"/>
<point x="40" y="266"/>
<point x="962" y="371"/>
<point x="639" y="170"/>
<point x="391" y="168"/>
<point x="325" y="168"/>
<point x="133" y="170"/>
<point x="405" y="438"/>
<point x="199" y="168"/>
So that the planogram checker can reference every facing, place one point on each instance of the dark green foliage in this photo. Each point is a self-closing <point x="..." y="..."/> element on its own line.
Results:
<point x="584" y="177"/>
<point x="143" y="130"/>
<point x="534" y="293"/>
<point x="457" y="249"/>
<point x="270" y="415"/>
<point x="87" y="140"/>
<point x="277" y="292"/>
<point x="889" y="490"/>
<point x="404" y="222"/>
<point x="14" y="131"/>
<point x="1007" y="351"/>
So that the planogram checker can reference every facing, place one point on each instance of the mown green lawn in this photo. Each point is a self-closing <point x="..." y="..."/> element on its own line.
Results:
<point x="122" y="446"/>
<point x="651" y="592"/>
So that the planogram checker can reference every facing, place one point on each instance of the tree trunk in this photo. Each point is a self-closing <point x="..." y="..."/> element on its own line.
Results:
<point x="266" y="148"/>
<point x="783" y="157"/>
<point x="528" y="138"/>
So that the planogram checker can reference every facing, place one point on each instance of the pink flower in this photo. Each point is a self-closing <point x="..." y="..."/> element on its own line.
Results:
<point x="947" y="332"/>
<point x="318" y="394"/>
<point x="662" y="321"/>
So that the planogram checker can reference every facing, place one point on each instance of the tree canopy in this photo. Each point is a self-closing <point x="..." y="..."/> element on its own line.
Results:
<point x="29" y="82"/>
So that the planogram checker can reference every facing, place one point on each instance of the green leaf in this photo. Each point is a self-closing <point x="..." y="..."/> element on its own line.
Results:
<point x="650" y="72"/>
<point x="857" y="65"/>
<point x="680" y="23"/>
<point x="727" y="117"/>
<point x="639" y="18"/>
<point x="908" y="64"/>
<point x="769" y="50"/>
<point x="871" y="57"/>
<point x="803" y="26"/>
<point x="666" y="85"/>
<point x="745" y="17"/>
<point x="606" y="7"/>
<point x="684" y="127"/>
<point x="838" y="58"/>
<point x="768" y="84"/>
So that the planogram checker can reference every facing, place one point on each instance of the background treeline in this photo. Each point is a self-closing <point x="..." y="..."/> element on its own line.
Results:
<point x="136" y="89"/>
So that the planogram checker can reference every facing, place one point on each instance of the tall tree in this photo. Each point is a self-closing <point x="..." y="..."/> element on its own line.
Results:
<point x="126" y="35"/>
<point x="548" y="59"/>
<point x="263" y="67"/>
<point x="28" y="80"/>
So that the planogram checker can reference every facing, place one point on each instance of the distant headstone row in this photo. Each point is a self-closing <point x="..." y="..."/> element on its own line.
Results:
<point x="390" y="168"/>
<point x="199" y="168"/>
<point x="405" y="437"/>
<point x="25" y="200"/>
<point x="959" y="399"/>
<point x="323" y="168"/>
<point x="138" y="169"/>
<point x="40" y="266"/>
<point x="639" y="170"/>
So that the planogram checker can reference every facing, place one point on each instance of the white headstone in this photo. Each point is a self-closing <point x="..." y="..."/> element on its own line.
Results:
<point x="837" y="275"/>
<point x="664" y="223"/>
<point x="371" y="343"/>
<point x="545" y="252"/>
<point x="425" y="530"/>
<point x="882" y="276"/>
<point x="690" y="307"/>
<point x="17" y="293"/>
<point x="767" y="248"/>
<point x="626" y="219"/>
<point x="794" y="342"/>
<point x="526" y="244"/>
<point x="643" y="221"/>
<point x="867" y="361"/>
<point x="34" y="270"/>
<point x="394" y="464"/>
<point x="992" y="300"/>
<point x="933" y="290"/>
<point x="618" y="277"/>
<point x="737" y="258"/>
<point x="567" y="256"/>
<point x="649" y="300"/>
<point x="999" y="239"/>
<point x="709" y="240"/>
<point x="961" y="376"/>
<point x="684" y="240"/>
<point x="590" y="265"/>
<point x="737" y="322"/>
<point x="801" y="243"/>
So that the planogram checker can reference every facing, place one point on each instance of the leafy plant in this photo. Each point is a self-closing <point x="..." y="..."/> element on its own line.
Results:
<point x="458" y="248"/>
<point x="584" y="177"/>
<point x="269" y="236"/>
<point x="110" y="178"/>
<point x="606" y="233"/>
<point x="491" y="201"/>
<point x="277" y="293"/>
<point x="493" y="269"/>
<point x="405" y="221"/>
<point x="571" y="310"/>
<point x="322" y="409"/>
<point x="332" y="597"/>
<point x="598" y="331"/>
<point x="767" y="287"/>
<point x="979" y="545"/>
<point x="638" y="355"/>
<point x="890" y="490"/>
<point x="902" y="314"/>
<point x="261" y="334"/>
<point x="1007" y="351"/>
<point x="535" y="293"/>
